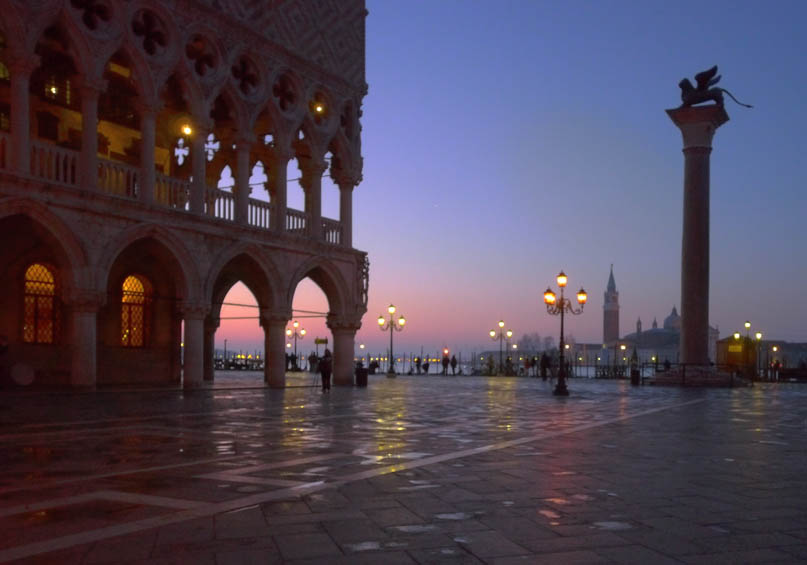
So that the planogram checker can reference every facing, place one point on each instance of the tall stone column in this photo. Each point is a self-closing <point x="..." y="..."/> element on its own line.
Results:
<point x="21" y="69"/>
<point x="242" y="188"/>
<point x="698" y="126"/>
<point x="193" y="356"/>
<point x="346" y="212"/>
<point x="198" y="167"/>
<point x="277" y="188"/>
<point x="148" y="142"/>
<point x="88" y="164"/>
<point x="211" y="325"/>
<point x="83" y="309"/>
<point x="312" y="184"/>
<point x="274" y="353"/>
<point x="344" y="341"/>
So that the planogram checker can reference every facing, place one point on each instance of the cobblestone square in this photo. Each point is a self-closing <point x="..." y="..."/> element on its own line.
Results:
<point x="408" y="470"/>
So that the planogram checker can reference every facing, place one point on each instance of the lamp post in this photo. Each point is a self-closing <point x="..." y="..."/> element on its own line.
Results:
<point x="560" y="307"/>
<point x="392" y="326"/>
<point x="500" y="336"/>
<point x="296" y="334"/>
<point x="758" y="335"/>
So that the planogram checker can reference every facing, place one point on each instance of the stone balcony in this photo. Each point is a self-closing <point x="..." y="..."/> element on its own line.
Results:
<point x="58" y="167"/>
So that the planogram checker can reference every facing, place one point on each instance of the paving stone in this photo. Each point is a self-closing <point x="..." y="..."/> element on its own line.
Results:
<point x="303" y="546"/>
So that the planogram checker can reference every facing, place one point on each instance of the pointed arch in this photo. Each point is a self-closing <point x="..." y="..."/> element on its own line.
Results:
<point x="142" y="77"/>
<point x="250" y="264"/>
<point x="188" y="285"/>
<point x="326" y="276"/>
<point x="66" y="241"/>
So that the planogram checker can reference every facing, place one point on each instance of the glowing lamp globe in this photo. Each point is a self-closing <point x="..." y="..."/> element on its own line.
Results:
<point x="401" y="321"/>
<point x="381" y="320"/>
<point x="582" y="296"/>
<point x="562" y="279"/>
<point x="549" y="296"/>
<point x="391" y="309"/>
<point x="492" y="333"/>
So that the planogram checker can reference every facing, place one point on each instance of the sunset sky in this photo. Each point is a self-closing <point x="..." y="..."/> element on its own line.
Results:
<point x="505" y="141"/>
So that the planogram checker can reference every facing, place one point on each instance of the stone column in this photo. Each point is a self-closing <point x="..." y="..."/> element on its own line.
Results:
<point x="211" y="325"/>
<point x="312" y="184"/>
<point x="344" y="337"/>
<point x="242" y="189"/>
<point x="198" y="167"/>
<point x="697" y="125"/>
<point x="148" y="141"/>
<point x="277" y="188"/>
<point x="346" y="212"/>
<point x="274" y="351"/>
<point x="83" y="338"/>
<point x="21" y="69"/>
<point x="193" y="356"/>
<point x="88" y="164"/>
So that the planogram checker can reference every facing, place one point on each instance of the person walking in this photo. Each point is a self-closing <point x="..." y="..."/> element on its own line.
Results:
<point x="325" y="368"/>
<point x="445" y="362"/>
<point x="453" y="364"/>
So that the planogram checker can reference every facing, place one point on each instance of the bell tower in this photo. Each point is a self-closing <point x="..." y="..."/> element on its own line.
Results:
<point x="610" y="318"/>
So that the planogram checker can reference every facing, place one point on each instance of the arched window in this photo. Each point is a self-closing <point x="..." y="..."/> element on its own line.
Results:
<point x="40" y="314"/>
<point x="134" y="315"/>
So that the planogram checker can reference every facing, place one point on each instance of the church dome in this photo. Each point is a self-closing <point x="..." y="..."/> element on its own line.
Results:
<point x="673" y="321"/>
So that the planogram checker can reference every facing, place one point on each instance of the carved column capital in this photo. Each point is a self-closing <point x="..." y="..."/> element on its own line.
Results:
<point x="274" y="317"/>
<point x="312" y="169"/>
<point x="347" y="324"/>
<point x="22" y="63"/>
<point x="193" y="310"/>
<point x="85" y="300"/>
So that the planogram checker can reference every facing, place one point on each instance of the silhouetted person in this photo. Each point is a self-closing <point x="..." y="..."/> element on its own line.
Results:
<point x="425" y="368"/>
<point x="453" y="364"/>
<point x="666" y="364"/>
<point x="325" y="368"/>
<point x="445" y="363"/>
<point x="416" y="361"/>
<point x="544" y="365"/>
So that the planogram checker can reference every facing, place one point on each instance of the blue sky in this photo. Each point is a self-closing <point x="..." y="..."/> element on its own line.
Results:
<point x="505" y="141"/>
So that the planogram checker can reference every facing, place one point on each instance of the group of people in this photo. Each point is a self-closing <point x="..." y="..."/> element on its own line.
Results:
<point x="421" y="366"/>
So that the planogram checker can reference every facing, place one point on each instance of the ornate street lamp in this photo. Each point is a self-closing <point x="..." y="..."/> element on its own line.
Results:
<point x="501" y="336"/>
<point x="560" y="307"/>
<point x="392" y="326"/>
<point x="758" y="335"/>
<point x="296" y="334"/>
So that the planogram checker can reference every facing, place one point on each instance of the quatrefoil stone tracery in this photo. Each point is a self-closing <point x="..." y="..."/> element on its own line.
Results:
<point x="150" y="29"/>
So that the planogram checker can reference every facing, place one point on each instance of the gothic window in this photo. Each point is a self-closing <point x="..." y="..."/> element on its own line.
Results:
<point x="135" y="306"/>
<point x="40" y="314"/>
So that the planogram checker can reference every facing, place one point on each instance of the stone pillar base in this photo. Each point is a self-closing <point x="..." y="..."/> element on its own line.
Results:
<point x="699" y="376"/>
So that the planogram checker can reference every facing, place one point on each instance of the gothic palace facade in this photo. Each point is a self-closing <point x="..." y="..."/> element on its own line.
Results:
<point x="117" y="117"/>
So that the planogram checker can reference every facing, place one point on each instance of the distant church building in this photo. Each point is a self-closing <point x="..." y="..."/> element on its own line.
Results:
<point x="610" y="318"/>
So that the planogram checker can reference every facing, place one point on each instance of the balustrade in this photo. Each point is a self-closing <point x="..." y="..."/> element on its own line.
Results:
<point x="55" y="164"/>
<point x="296" y="222"/>
<point x="171" y="192"/>
<point x="118" y="178"/>
<point x="259" y="213"/>
<point x="332" y="231"/>
<point x="220" y="204"/>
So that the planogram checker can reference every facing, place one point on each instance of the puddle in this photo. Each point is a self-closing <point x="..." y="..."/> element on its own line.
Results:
<point x="363" y="546"/>
<point x="613" y="526"/>
<point x="560" y="501"/>
<point x="448" y="551"/>
<point x="549" y="514"/>
<point x="508" y="502"/>
<point x="454" y="516"/>
<point x="415" y="529"/>
<point x="462" y="540"/>
<point x="719" y="529"/>
<point x="419" y="487"/>
<point x="563" y="473"/>
<point x="582" y="497"/>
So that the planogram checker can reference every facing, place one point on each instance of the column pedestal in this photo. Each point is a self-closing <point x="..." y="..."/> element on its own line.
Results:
<point x="84" y="351"/>
<point x="211" y="325"/>
<point x="193" y="354"/>
<point x="274" y="351"/>
<point x="697" y="125"/>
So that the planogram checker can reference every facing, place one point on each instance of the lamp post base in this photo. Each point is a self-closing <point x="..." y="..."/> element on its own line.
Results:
<point x="390" y="373"/>
<point x="561" y="390"/>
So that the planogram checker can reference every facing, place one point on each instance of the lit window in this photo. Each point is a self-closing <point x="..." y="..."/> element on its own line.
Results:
<point x="40" y="314"/>
<point x="134" y="316"/>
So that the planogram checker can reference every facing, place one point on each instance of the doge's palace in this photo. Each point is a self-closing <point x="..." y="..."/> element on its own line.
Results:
<point x="117" y="118"/>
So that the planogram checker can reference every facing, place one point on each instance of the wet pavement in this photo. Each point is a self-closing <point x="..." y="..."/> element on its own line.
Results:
<point x="408" y="470"/>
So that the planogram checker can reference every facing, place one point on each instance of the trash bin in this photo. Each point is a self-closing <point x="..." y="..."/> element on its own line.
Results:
<point x="361" y="376"/>
<point x="634" y="377"/>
